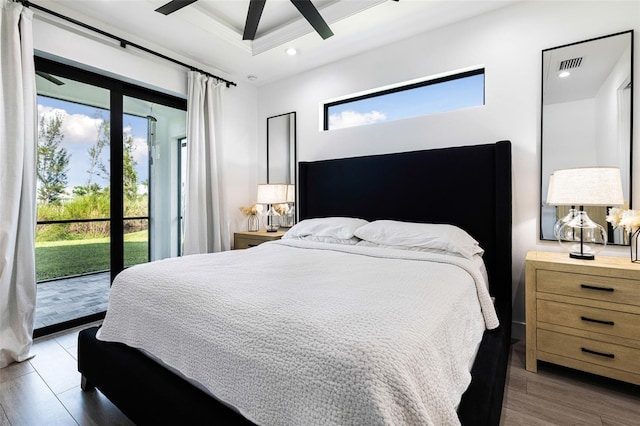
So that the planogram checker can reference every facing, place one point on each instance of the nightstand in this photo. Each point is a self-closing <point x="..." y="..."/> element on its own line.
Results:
<point x="584" y="314"/>
<point x="244" y="240"/>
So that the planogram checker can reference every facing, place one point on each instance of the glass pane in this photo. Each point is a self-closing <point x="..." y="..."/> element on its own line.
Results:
<point x="73" y="200"/>
<point x="59" y="257"/>
<point x="427" y="98"/>
<point x="136" y="242"/>
<point x="152" y="179"/>
<point x="135" y="178"/>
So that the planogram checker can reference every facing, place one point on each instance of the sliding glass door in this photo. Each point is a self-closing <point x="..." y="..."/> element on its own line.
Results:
<point x="108" y="188"/>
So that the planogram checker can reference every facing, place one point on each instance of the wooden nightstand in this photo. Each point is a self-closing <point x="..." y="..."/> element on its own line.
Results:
<point x="244" y="240"/>
<point x="584" y="314"/>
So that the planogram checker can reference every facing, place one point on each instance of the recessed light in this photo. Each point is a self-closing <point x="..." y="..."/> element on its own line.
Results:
<point x="564" y="74"/>
<point x="252" y="77"/>
<point x="291" y="51"/>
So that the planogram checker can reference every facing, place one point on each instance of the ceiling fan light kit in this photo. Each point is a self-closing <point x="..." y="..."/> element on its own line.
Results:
<point x="305" y="7"/>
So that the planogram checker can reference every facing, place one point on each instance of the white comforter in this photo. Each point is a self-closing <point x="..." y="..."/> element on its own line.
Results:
<point x="302" y="333"/>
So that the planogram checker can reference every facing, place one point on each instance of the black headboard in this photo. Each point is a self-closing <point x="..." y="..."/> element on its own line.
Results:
<point x="466" y="186"/>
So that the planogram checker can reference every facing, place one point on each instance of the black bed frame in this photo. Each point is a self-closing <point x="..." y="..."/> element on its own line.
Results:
<point x="467" y="186"/>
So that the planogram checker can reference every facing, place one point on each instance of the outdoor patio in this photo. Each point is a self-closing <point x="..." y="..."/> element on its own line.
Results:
<point x="66" y="299"/>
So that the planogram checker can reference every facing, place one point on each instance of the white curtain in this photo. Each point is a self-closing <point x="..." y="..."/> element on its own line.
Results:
<point x="206" y="228"/>
<point x="18" y="130"/>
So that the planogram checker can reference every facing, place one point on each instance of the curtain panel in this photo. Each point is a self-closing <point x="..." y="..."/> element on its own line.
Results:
<point x="18" y="148"/>
<point x="206" y="225"/>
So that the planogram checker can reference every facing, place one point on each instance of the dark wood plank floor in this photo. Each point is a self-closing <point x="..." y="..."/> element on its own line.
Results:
<point x="45" y="391"/>
<point x="561" y="396"/>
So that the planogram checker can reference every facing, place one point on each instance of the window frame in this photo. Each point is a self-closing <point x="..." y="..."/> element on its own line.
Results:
<point x="401" y="88"/>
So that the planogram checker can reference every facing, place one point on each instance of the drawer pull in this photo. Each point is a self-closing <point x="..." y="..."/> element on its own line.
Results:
<point x="589" y="351"/>
<point x="593" y="287"/>
<point x="597" y="320"/>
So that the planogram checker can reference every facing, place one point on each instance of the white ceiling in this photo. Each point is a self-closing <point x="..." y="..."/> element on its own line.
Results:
<point x="208" y="34"/>
<point x="599" y="58"/>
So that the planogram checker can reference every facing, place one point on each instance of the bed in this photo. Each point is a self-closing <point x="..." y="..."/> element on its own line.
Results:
<point x="422" y="187"/>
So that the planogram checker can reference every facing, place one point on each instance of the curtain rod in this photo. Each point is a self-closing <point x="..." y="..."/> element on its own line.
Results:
<point x="123" y="43"/>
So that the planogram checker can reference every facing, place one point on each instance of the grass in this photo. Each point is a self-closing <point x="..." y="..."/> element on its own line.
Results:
<point x="57" y="259"/>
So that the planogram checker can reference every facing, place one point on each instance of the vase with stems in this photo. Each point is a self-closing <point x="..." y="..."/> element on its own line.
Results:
<point x="633" y="243"/>
<point x="253" y="216"/>
<point x="253" y="223"/>
<point x="629" y="220"/>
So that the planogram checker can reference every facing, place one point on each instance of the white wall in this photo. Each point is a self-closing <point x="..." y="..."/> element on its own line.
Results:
<point x="508" y="42"/>
<point x="608" y="112"/>
<point x="88" y="51"/>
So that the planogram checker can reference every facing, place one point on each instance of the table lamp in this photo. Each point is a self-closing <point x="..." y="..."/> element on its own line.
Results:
<point x="271" y="194"/>
<point x="587" y="186"/>
<point x="291" y="199"/>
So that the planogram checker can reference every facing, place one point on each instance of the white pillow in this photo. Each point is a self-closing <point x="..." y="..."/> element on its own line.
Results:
<point x="347" y="241"/>
<point x="415" y="236"/>
<point x="339" y="228"/>
<point x="363" y="243"/>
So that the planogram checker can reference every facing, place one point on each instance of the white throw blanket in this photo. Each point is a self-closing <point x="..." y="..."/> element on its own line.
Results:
<point x="303" y="333"/>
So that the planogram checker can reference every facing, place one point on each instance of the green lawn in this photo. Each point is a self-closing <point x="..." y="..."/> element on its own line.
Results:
<point x="57" y="259"/>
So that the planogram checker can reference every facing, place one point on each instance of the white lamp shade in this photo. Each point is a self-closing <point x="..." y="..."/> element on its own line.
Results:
<point x="586" y="186"/>
<point x="272" y="194"/>
<point x="291" y="193"/>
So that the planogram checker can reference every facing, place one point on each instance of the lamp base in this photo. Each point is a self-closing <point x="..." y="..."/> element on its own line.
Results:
<point x="581" y="237"/>
<point x="584" y="256"/>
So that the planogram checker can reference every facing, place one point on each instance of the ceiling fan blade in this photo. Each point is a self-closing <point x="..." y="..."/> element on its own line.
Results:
<point x="50" y="78"/>
<point x="174" y="5"/>
<point x="253" y="18"/>
<point x="311" y="14"/>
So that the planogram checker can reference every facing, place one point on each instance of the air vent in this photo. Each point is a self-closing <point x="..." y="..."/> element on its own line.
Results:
<point x="569" y="64"/>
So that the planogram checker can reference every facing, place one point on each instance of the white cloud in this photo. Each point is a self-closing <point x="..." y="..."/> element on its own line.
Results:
<point x="77" y="128"/>
<point x="351" y="118"/>
<point x="140" y="149"/>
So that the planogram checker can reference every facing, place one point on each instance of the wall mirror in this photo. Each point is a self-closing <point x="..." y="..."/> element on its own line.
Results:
<point x="586" y="116"/>
<point x="281" y="149"/>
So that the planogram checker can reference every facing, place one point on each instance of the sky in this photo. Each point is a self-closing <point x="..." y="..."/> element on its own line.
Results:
<point x="80" y="128"/>
<point x="447" y="96"/>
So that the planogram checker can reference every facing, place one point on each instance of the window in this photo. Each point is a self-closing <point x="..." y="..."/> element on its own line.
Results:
<point x="413" y="99"/>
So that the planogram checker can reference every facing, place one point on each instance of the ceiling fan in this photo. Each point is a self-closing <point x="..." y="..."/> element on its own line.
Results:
<point x="305" y="7"/>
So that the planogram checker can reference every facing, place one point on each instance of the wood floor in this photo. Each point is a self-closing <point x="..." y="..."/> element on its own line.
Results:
<point x="45" y="391"/>
<point x="561" y="396"/>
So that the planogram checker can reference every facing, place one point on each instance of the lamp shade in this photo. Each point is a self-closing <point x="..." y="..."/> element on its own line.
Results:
<point x="291" y="193"/>
<point x="586" y="186"/>
<point x="272" y="194"/>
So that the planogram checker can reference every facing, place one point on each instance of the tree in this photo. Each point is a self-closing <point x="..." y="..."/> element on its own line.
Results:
<point x="129" y="174"/>
<point x="96" y="165"/>
<point x="81" y="190"/>
<point x="53" y="160"/>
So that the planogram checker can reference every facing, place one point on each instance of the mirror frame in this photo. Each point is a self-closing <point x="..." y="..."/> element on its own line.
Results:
<point x="291" y="145"/>
<point x="542" y="131"/>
